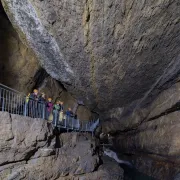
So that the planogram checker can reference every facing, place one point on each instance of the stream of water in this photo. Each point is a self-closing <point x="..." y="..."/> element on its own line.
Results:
<point x="134" y="174"/>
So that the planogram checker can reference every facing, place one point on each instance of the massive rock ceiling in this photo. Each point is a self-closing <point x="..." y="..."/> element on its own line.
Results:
<point x="108" y="53"/>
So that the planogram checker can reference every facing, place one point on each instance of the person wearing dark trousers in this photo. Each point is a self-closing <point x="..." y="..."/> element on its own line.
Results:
<point x="41" y="105"/>
<point x="49" y="108"/>
<point x="33" y="101"/>
<point x="61" y="106"/>
<point x="61" y="113"/>
<point x="69" y="112"/>
<point x="56" y="109"/>
<point x="69" y="117"/>
<point x="26" y="109"/>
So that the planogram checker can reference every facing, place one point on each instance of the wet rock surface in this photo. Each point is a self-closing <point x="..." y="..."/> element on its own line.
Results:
<point x="151" y="135"/>
<point x="160" y="137"/>
<point x="156" y="168"/>
<point x="108" y="170"/>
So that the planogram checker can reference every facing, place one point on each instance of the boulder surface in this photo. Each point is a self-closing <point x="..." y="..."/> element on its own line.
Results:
<point x="29" y="149"/>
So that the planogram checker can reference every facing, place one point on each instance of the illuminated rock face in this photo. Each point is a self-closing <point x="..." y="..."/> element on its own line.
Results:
<point x="20" y="69"/>
<point x="30" y="150"/>
<point x="121" y="58"/>
<point x="107" y="53"/>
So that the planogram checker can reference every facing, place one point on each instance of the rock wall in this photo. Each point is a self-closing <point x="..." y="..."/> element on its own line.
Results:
<point x="151" y="135"/>
<point x="30" y="149"/>
<point x="114" y="56"/>
<point x="18" y="64"/>
<point x="20" y="69"/>
<point x="121" y="59"/>
<point x="130" y="118"/>
<point x="108" y="53"/>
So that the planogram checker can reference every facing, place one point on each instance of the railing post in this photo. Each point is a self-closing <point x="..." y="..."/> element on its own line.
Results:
<point x="38" y="108"/>
<point x="3" y="100"/>
<point x="43" y="110"/>
<point x="72" y="122"/>
<point x="25" y="109"/>
<point x="65" y="122"/>
<point x="83" y="129"/>
<point x="78" y="124"/>
<point x="0" y="93"/>
<point x="34" y="108"/>
<point x="55" y="118"/>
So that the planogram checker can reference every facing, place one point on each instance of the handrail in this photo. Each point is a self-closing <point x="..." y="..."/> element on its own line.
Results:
<point x="16" y="102"/>
<point x="11" y="89"/>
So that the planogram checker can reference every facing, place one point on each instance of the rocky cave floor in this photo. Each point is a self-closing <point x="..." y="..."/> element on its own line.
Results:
<point x="32" y="149"/>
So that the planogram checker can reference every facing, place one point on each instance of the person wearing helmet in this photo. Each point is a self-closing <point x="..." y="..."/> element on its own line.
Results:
<point x="49" y="108"/>
<point x="34" y="95"/>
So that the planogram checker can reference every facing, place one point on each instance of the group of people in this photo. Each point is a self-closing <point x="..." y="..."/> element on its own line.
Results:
<point x="35" y="100"/>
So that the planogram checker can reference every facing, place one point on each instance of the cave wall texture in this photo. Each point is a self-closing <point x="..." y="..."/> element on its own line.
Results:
<point x="17" y="62"/>
<point x="121" y="58"/>
<point x="116" y="56"/>
<point x="108" y="53"/>
<point x="29" y="149"/>
<point x="20" y="69"/>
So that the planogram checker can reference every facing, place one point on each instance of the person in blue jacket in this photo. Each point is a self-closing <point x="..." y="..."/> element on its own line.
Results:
<point x="69" y="113"/>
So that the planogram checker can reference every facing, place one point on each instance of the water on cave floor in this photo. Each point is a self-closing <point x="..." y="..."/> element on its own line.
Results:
<point x="134" y="174"/>
<point x="131" y="173"/>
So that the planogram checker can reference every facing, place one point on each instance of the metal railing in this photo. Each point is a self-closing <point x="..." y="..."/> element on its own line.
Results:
<point x="34" y="109"/>
<point x="68" y="122"/>
<point x="71" y="123"/>
<point x="16" y="102"/>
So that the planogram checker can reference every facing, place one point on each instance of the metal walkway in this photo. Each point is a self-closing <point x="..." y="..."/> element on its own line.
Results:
<point x="16" y="102"/>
